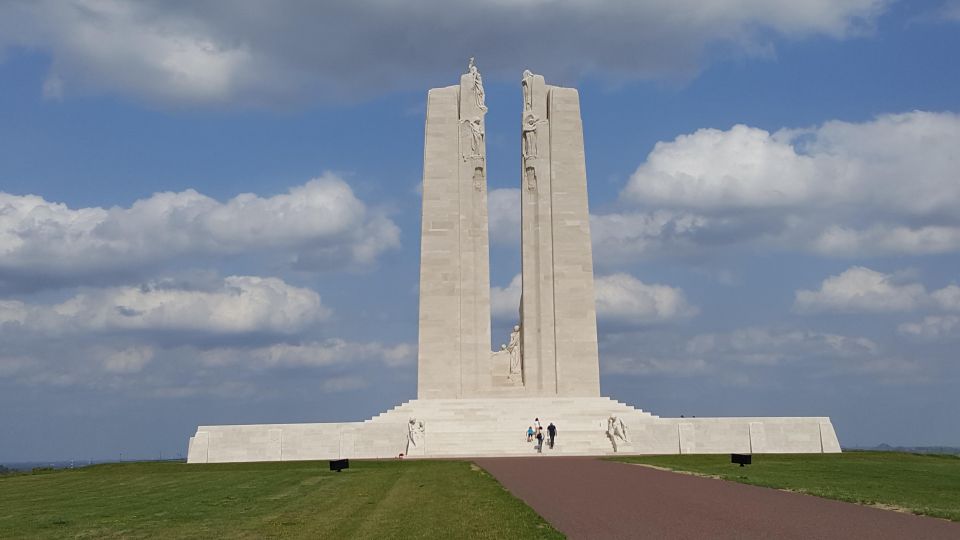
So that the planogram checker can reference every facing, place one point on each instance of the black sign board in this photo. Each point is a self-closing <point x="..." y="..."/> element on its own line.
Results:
<point x="742" y="459"/>
<point x="339" y="464"/>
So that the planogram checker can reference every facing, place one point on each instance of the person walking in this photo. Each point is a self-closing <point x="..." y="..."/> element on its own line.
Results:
<point x="539" y="441"/>
<point x="552" y="431"/>
<point x="530" y="434"/>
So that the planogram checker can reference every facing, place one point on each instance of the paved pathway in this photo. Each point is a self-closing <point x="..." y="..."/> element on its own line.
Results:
<point x="591" y="498"/>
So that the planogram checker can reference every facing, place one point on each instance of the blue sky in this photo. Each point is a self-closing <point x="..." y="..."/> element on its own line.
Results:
<point x="209" y="211"/>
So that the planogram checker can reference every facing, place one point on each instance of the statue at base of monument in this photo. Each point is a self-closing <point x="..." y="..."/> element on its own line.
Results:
<point x="616" y="429"/>
<point x="415" y="432"/>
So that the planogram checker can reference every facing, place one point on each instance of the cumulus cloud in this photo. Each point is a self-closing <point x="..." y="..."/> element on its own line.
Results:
<point x="623" y="298"/>
<point x="228" y="371"/>
<point x="241" y="304"/>
<point x="505" y="301"/>
<point x="230" y="51"/>
<point x="843" y="189"/>
<point x="504" y="216"/>
<point x="862" y="290"/>
<point x="620" y="298"/>
<point x="320" y="224"/>
<point x="932" y="328"/>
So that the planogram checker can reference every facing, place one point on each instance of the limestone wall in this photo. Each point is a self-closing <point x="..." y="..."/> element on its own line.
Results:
<point x="496" y="427"/>
<point x="558" y="305"/>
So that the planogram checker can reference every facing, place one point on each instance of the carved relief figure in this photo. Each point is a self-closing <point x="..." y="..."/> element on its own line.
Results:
<point x="477" y="85"/>
<point x="530" y="124"/>
<point x="527" y="84"/>
<point x="476" y="135"/>
<point x="531" y="175"/>
<point x="616" y="429"/>
<point x="415" y="433"/>
<point x="478" y="178"/>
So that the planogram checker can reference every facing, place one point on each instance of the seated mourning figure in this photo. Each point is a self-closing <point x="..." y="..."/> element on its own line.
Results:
<point x="616" y="429"/>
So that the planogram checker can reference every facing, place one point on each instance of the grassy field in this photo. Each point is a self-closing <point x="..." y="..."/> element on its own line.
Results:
<point x="389" y="499"/>
<point x="922" y="484"/>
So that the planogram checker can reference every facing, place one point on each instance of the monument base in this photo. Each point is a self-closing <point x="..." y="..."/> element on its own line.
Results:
<point x="498" y="426"/>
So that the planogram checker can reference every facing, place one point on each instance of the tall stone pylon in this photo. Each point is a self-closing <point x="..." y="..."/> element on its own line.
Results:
<point x="454" y="340"/>
<point x="558" y="312"/>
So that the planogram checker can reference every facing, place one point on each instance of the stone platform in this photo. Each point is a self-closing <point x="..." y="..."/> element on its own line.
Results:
<point x="497" y="427"/>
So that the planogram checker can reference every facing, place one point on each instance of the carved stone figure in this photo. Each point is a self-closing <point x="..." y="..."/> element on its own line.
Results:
<point x="531" y="177"/>
<point x="527" y="84"/>
<point x="476" y="136"/>
<point x="516" y="360"/>
<point x="530" y="124"/>
<point x="616" y="429"/>
<point x="477" y="85"/>
<point x="478" y="178"/>
<point x="415" y="432"/>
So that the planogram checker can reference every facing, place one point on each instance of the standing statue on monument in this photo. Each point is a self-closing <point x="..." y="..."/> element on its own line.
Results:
<point x="530" y="124"/>
<point x="527" y="84"/>
<point x="477" y="85"/>
<point x="516" y="359"/>
<point x="476" y="135"/>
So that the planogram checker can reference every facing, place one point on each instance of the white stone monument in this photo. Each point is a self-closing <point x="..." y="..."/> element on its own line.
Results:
<point x="474" y="402"/>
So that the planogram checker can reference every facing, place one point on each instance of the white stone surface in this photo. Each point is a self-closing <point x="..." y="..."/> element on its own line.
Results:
<point x="454" y="352"/>
<point x="471" y="427"/>
<point x="468" y="403"/>
<point x="558" y="310"/>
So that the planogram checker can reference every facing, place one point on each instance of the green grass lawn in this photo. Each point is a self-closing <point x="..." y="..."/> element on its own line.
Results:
<point x="387" y="499"/>
<point x="922" y="484"/>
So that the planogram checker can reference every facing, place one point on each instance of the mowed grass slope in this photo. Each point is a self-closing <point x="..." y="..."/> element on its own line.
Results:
<point x="390" y="499"/>
<point x="922" y="484"/>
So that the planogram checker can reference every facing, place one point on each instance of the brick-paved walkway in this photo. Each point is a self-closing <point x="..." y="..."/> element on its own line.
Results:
<point x="592" y="498"/>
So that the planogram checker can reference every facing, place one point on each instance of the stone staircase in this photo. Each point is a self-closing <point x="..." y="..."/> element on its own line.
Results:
<point x="486" y="427"/>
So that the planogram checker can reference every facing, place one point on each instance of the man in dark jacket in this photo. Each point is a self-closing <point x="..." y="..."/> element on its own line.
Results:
<point x="552" y="430"/>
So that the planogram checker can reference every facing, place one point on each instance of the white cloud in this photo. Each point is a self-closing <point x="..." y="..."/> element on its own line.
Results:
<point x="505" y="301"/>
<point x="632" y="365"/>
<point x="862" y="290"/>
<point x="319" y="353"/>
<point x="619" y="297"/>
<point x="932" y="328"/>
<point x="229" y="50"/>
<point x="618" y="237"/>
<point x="885" y="186"/>
<point x="887" y="239"/>
<point x="947" y="298"/>
<point x="319" y="224"/>
<point x="766" y="346"/>
<point x="900" y="163"/>
<point x="748" y="355"/>
<point x="241" y="304"/>
<point x="623" y="298"/>
<point x="504" y="216"/>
